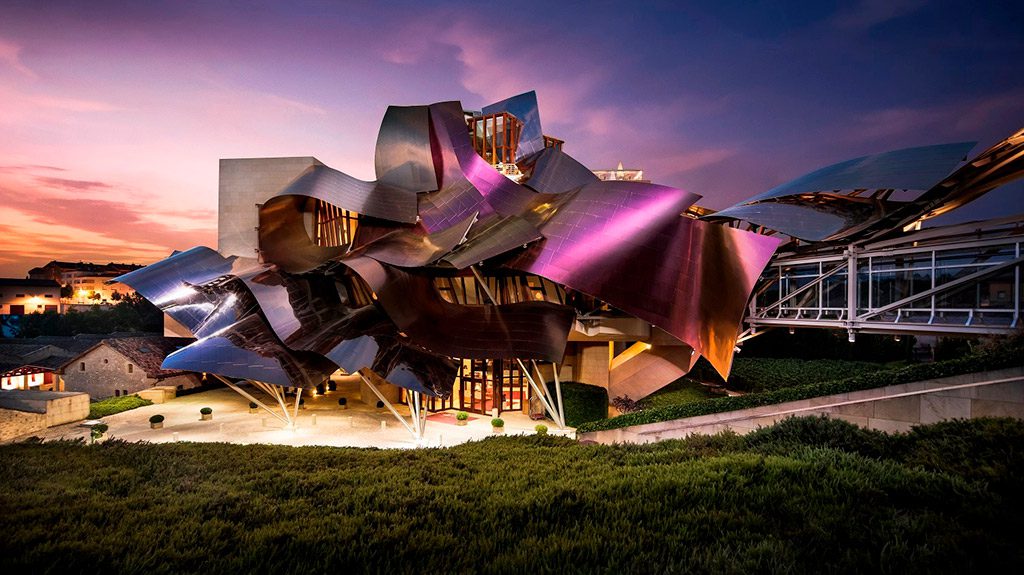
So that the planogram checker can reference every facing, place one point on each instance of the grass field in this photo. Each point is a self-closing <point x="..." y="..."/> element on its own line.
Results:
<point x="807" y="495"/>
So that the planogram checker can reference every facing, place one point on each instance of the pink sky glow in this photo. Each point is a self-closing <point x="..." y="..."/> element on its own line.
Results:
<point x="113" y="115"/>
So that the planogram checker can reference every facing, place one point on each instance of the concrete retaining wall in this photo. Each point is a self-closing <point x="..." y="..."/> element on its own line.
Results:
<point x="895" y="408"/>
<point x="25" y="412"/>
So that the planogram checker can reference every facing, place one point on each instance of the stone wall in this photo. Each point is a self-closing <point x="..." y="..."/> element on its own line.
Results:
<point x="17" y="423"/>
<point x="105" y="371"/>
<point x="26" y="412"/>
<point x="895" y="408"/>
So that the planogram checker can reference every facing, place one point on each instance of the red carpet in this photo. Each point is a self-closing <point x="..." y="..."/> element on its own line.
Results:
<point x="446" y="417"/>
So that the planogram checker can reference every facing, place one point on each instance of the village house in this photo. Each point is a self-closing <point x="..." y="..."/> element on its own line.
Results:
<point x="115" y="367"/>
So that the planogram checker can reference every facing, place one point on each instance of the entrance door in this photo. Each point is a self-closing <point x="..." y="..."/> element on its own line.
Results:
<point x="476" y="386"/>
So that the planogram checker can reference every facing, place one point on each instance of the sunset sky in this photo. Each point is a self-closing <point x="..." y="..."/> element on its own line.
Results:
<point x="113" y="115"/>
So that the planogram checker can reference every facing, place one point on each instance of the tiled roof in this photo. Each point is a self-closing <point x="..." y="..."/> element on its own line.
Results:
<point x="149" y="352"/>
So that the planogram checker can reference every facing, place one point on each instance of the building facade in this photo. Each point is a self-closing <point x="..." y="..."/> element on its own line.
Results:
<point x="483" y="264"/>
<point x="123" y="366"/>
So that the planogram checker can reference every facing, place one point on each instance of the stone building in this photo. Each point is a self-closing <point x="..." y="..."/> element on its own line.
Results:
<point x="122" y="366"/>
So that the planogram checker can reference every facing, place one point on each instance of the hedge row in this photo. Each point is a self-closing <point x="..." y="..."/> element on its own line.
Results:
<point x="806" y="496"/>
<point x="583" y="402"/>
<point x="1010" y="356"/>
<point x="112" y="405"/>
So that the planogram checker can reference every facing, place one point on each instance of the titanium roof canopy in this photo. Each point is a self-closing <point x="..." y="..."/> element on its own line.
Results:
<point x="851" y="200"/>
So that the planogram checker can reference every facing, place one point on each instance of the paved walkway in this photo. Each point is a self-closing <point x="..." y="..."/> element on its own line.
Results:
<point x="321" y="422"/>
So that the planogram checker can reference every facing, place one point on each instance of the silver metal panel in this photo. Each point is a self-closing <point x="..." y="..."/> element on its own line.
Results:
<point x="494" y="237"/>
<point x="906" y="169"/>
<point x="374" y="199"/>
<point x="524" y="108"/>
<point x="402" y="159"/>
<point x="553" y="171"/>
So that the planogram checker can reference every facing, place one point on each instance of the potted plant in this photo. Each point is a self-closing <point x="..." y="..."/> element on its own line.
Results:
<point x="541" y="429"/>
<point x="321" y="389"/>
<point x="156" y="421"/>
<point x="380" y="404"/>
<point x="332" y="386"/>
<point x="253" y="408"/>
<point x="461" y="418"/>
<point x="206" y="413"/>
<point x="498" y="425"/>
<point x="97" y="431"/>
<point x="343" y="403"/>
<point x="302" y="404"/>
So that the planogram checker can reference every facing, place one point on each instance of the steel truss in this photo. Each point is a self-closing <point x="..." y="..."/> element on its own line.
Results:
<point x="962" y="279"/>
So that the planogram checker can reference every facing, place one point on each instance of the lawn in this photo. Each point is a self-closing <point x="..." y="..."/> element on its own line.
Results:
<point x="807" y="495"/>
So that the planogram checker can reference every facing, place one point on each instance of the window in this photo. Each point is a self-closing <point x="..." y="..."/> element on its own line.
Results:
<point x="131" y="368"/>
<point x="124" y="392"/>
<point x="81" y="366"/>
<point x="19" y="295"/>
<point x="117" y="393"/>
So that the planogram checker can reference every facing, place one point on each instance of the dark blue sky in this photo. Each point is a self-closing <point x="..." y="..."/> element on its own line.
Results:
<point x="134" y="102"/>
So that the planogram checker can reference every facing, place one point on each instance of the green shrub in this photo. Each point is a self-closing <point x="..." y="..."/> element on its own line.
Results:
<point x="497" y="422"/>
<point x="206" y="410"/>
<point x="253" y="405"/>
<point x="702" y="504"/>
<point x="682" y="390"/>
<point x="112" y="405"/>
<point x="156" y="418"/>
<point x="997" y="358"/>
<point x="462" y="416"/>
<point x="820" y="431"/>
<point x="541" y="429"/>
<point x="756" y="374"/>
<point x="342" y="401"/>
<point x="583" y="402"/>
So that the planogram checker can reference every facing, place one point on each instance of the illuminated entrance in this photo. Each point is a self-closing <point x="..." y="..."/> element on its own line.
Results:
<point x="483" y="385"/>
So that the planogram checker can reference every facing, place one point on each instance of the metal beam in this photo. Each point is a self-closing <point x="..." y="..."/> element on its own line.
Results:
<point x="388" y="404"/>
<point x="248" y="396"/>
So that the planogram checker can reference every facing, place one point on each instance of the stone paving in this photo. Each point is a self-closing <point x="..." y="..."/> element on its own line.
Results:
<point x="321" y="422"/>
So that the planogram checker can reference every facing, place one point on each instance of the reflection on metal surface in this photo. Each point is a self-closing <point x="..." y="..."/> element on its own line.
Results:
<point x="524" y="108"/>
<point x="363" y="297"/>
<point x="857" y="199"/>
<point x="553" y="171"/>
<point x="632" y="250"/>
<point x="529" y="330"/>
<point x="402" y="159"/>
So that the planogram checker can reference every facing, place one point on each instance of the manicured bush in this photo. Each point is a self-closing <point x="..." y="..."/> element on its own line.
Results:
<point x="497" y="422"/>
<point x="342" y="401"/>
<point x="682" y="390"/>
<point x="541" y="429"/>
<point x="996" y="358"/>
<point x="112" y="405"/>
<point x="703" y="504"/>
<point x="253" y="405"/>
<point x="321" y="388"/>
<point x="97" y="431"/>
<point x="206" y="410"/>
<point x="821" y="431"/>
<point x="583" y="402"/>
<point x="332" y="386"/>
<point x="156" y="418"/>
<point x="380" y="404"/>
<point x="462" y="416"/>
<point x="756" y="374"/>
